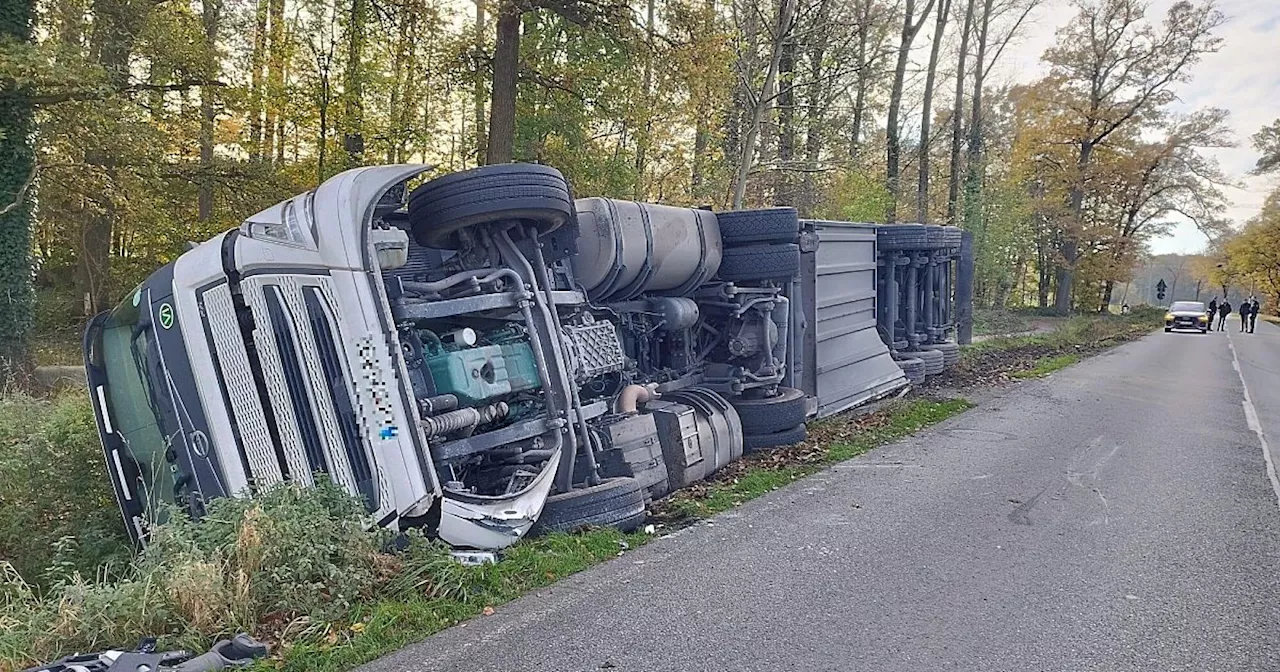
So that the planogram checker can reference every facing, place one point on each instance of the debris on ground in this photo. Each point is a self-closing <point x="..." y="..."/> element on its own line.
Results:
<point x="239" y="651"/>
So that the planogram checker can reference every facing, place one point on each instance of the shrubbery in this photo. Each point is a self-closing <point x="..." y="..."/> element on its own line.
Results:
<point x="57" y="511"/>
<point x="281" y="565"/>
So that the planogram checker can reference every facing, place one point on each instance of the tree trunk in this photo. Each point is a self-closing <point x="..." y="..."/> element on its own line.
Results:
<point x="860" y="96"/>
<point x="644" y="134"/>
<point x="957" y="118"/>
<point x="783" y="29"/>
<point x="976" y="169"/>
<point x="17" y="173"/>
<point x="702" y="128"/>
<point x="1108" y="290"/>
<point x="922" y="188"/>
<point x="506" y="63"/>
<point x="322" y="142"/>
<point x="817" y="96"/>
<point x="786" y="123"/>
<point x="1069" y="249"/>
<point x="256" y="98"/>
<point x="353" y="86"/>
<point x="480" y="94"/>
<point x="114" y="31"/>
<point x="276" y="54"/>
<point x="893" y="144"/>
<point x="210" y="11"/>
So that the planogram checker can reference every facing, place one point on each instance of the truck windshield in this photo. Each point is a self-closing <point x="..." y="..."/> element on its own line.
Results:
<point x="127" y="350"/>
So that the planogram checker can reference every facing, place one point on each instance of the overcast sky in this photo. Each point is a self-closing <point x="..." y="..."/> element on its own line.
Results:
<point x="1243" y="78"/>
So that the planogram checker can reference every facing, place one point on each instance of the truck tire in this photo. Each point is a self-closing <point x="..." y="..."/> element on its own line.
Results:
<point x="912" y="368"/>
<point x="950" y="351"/>
<point x="771" y="414"/>
<point x="760" y="262"/>
<point x="932" y="360"/>
<point x="902" y="237"/>
<point x="516" y="191"/>
<point x="953" y="235"/>
<point x="767" y="225"/>
<point x="936" y="235"/>
<point x="615" y="502"/>
<point x="754" y="443"/>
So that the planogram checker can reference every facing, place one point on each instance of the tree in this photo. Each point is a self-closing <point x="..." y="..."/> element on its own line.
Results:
<point x="17" y="174"/>
<point x="506" y="61"/>
<point x="893" y="149"/>
<point x="926" y="144"/>
<point x="957" y="117"/>
<point x="1267" y="142"/>
<point x="1108" y="71"/>
<point x="210" y="14"/>
<point x="762" y="101"/>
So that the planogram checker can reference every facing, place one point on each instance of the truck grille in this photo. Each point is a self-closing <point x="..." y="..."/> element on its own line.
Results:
<point x="282" y="328"/>
<point x="306" y="380"/>
<point x="340" y="397"/>
<point x="232" y="363"/>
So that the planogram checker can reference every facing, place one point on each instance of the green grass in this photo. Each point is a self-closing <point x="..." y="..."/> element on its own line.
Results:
<point x="385" y="625"/>
<point x="1047" y="365"/>
<point x="1079" y="331"/>
<point x="298" y="568"/>
<point x="838" y="439"/>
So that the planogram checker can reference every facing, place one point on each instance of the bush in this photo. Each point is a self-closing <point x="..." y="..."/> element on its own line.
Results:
<point x="57" y="511"/>
<point x="287" y="565"/>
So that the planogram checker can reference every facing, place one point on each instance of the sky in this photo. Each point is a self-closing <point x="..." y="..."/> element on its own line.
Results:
<point x="1243" y="77"/>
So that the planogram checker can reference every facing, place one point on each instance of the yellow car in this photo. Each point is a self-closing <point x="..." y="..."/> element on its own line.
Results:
<point x="1187" y="315"/>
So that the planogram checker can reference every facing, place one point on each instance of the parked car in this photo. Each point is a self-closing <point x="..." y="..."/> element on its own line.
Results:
<point x="481" y="357"/>
<point x="1187" y="315"/>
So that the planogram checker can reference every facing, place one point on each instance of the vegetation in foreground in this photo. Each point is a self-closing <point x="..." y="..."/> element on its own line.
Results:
<point x="299" y="568"/>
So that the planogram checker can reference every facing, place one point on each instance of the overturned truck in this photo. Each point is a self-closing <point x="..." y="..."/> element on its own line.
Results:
<point x="481" y="357"/>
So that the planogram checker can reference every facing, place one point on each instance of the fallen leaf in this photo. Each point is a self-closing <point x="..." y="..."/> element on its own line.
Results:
<point x="488" y="611"/>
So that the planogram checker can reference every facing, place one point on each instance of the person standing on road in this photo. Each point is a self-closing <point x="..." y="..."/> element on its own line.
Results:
<point x="1224" y="309"/>
<point x="1245" y="309"/>
<point x="1253" y="314"/>
<point x="1213" y="311"/>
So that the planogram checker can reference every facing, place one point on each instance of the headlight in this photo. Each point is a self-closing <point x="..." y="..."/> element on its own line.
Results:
<point x="1168" y="317"/>
<point x="1203" y="318"/>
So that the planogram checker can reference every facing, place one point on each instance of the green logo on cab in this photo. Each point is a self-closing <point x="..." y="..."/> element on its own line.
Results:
<point x="166" y="315"/>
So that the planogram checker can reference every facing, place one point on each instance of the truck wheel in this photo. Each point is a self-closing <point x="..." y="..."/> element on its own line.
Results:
<point x="517" y="191"/>
<point x="760" y="262"/>
<point x="754" y="443"/>
<point x="950" y="351"/>
<point x="902" y="237"/>
<point x="767" y="225"/>
<point x="933" y="361"/>
<point x="771" y="414"/>
<point x="616" y="502"/>
<point x="912" y="368"/>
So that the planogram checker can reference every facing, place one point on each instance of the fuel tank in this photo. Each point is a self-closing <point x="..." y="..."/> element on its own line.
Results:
<point x="626" y="249"/>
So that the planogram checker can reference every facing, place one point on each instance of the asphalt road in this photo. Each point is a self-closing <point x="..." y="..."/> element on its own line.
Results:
<point x="1115" y="516"/>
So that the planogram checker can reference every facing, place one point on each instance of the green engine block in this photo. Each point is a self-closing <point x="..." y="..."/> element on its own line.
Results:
<point x="476" y="375"/>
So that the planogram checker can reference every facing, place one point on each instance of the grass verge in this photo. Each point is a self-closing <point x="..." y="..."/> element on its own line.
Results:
<point x="1047" y="365"/>
<point x="1000" y="359"/>
<point x="831" y="440"/>
<point x="299" y="568"/>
